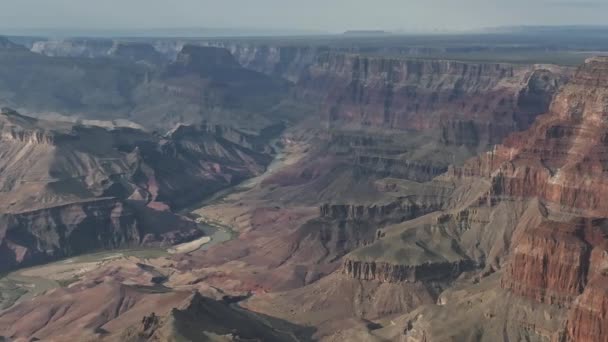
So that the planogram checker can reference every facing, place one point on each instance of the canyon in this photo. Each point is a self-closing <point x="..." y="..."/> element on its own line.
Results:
<point x="70" y="188"/>
<point x="366" y="194"/>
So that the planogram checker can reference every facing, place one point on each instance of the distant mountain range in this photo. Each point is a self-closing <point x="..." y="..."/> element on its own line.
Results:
<point x="156" y="32"/>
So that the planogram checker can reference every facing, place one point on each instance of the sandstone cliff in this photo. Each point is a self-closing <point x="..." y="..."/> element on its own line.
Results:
<point x="551" y="262"/>
<point x="559" y="261"/>
<point x="468" y="103"/>
<point x="395" y="211"/>
<point x="559" y="159"/>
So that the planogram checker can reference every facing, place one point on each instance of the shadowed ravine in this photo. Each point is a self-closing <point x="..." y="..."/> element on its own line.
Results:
<point x="27" y="283"/>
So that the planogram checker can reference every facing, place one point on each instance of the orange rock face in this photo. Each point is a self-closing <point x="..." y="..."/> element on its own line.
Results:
<point x="551" y="262"/>
<point x="588" y="319"/>
<point x="562" y="160"/>
<point x="562" y="157"/>
<point x="469" y="103"/>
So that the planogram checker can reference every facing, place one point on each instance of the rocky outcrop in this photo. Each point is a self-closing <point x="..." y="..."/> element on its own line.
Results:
<point x="187" y="164"/>
<point x="560" y="158"/>
<point x="202" y="60"/>
<point x="468" y="103"/>
<point x="250" y="141"/>
<point x="99" y="48"/>
<point x="67" y="188"/>
<point x="394" y="212"/>
<point x="551" y="262"/>
<point x="136" y="52"/>
<point x="90" y="48"/>
<point x="195" y="161"/>
<point x="393" y="273"/>
<point x="412" y="118"/>
<point x="208" y="84"/>
<point x="399" y="168"/>
<point x="16" y="128"/>
<point x="132" y="79"/>
<point x="588" y="318"/>
<point x="37" y="236"/>
<point x="391" y="155"/>
<point x="289" y="62"/>
<point x="200" y="318"/>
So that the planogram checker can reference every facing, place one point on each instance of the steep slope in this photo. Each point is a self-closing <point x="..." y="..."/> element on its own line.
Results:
<point x="90" y="48"/>
<point x="519" y="238"/>
<point x="68" y="188"/>
<point x="288" y="61"/>
<point x="208" y="83"/>
<point x="468" y="103"/>
<point x="99" y="48"/>
<point x="550" y="257"/>
<point x="99" y="88"/>
<point x="390" y="118"/>
<point x="133" y="81"/>
<point x="206" y="319"/>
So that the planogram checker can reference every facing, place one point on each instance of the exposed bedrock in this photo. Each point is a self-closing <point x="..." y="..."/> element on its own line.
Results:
<point x="137" y="52"/>
<point x="551" y="262"/>
<point x="406" y="155"/>
<point x="399" y="168"/>
<point x="394" y="212"/>
<point x="289" y="62"/>
<point x="99" y="48"/>
<point x="68" y="188"/>
<point x="565" y="263"/>
<point x="560" y="159"/>
<point x="47" y="234"/>
<point x="200" y="318"/>
<point x="588" y="318"/>
<point x="467" y="103"/>
<point x="392" y="273"/>
<point x="73" y="47"/>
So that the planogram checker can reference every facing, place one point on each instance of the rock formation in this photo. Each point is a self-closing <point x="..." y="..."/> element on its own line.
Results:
<point x="200" y="318"/>
<point x="288" y="61"/>
<point x="396" y="211"/>
<point x="374" y="229"/>
<point x="563" y="149"/>
<point x="133" y="81"/>
<point x="469" y="103"/>
<point x="555" y="255"/>
<point x="69" y="188"/>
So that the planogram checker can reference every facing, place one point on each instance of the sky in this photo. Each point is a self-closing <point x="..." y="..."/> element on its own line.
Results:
<point x="313" y="15"/>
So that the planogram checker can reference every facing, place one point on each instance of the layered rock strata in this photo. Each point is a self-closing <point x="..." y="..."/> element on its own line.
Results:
<point x="467" y="103"/>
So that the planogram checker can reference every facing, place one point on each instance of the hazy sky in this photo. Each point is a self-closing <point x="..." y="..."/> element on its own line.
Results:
<point x="326" y="15"/>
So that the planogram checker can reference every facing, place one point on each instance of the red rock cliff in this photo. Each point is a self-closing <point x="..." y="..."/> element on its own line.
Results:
<point x="561" y="157"/>
<point x="467" y="102"/>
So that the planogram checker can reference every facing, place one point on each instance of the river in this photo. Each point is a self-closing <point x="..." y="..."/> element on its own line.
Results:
<point x="26" y="283"/>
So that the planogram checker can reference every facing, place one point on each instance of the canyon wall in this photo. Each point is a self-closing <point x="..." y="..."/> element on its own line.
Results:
<point x="559" y="160"/>
<point x="289" y="62"/>
<point x="99" y="48"/>
<point x="32" y="237"/>
<point x="468" y="103"/>
<point x="392" y="273"/>
<point x="397" y="211"/>
<point x="68" y="188"/>
<point x="550" y="263"/>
